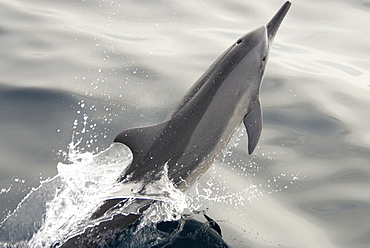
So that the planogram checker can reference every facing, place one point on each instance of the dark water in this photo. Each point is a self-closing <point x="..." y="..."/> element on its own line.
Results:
<point x="90" y="69"/>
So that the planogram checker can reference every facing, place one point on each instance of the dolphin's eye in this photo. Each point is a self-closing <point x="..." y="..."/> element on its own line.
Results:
<point x="264" y="59"/>
<point x="239" y="41"/>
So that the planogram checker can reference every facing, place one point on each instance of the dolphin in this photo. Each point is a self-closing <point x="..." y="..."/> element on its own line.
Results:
<point x="187" y="142"/>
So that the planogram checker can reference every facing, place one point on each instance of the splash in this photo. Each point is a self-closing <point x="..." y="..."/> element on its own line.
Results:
<point x="85" y="184"/>
<point x="170" y="203"/>
<point x="61" y="207"/>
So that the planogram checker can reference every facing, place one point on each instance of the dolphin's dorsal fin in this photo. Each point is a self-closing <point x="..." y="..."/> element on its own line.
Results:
<point x="253" y="124"/>
<point x="140" y="140"/>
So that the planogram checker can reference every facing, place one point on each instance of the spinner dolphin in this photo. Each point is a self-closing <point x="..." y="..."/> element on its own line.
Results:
<point x="194" y="133"/>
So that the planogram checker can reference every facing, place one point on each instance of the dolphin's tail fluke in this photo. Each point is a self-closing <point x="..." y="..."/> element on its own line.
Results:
<point x="274" y="24"/>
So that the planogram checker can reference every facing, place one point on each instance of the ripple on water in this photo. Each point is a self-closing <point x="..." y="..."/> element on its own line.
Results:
<point x="344" y="68"/>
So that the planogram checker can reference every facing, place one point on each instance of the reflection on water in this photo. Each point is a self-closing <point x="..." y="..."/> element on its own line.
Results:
<point x="95" y="68"/>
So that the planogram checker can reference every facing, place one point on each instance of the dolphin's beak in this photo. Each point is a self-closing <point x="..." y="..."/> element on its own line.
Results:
<point x="274" y="24"/>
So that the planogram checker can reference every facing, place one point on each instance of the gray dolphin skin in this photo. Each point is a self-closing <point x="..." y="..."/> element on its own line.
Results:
<point x="194" y="133"/>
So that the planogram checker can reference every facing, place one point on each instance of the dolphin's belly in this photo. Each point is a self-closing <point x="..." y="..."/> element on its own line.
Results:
<point x="211" y="134"/>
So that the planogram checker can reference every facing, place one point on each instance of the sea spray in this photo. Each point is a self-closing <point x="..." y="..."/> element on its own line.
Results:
<point x="84" y="186"/>
<point x="62" y="206"/>
<point x="90" y="180"/>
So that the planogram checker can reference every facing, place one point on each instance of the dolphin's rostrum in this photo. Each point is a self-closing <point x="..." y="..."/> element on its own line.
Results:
<point x="191" y="137"/>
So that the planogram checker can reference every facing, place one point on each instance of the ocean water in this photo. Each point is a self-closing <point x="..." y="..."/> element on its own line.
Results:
<point x="73" y="74"/>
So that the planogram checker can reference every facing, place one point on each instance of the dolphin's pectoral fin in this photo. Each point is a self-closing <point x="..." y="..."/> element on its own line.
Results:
<point x="253" y="124"/>
<point x="140" y="140"/>
<point x="213" y="224"/>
